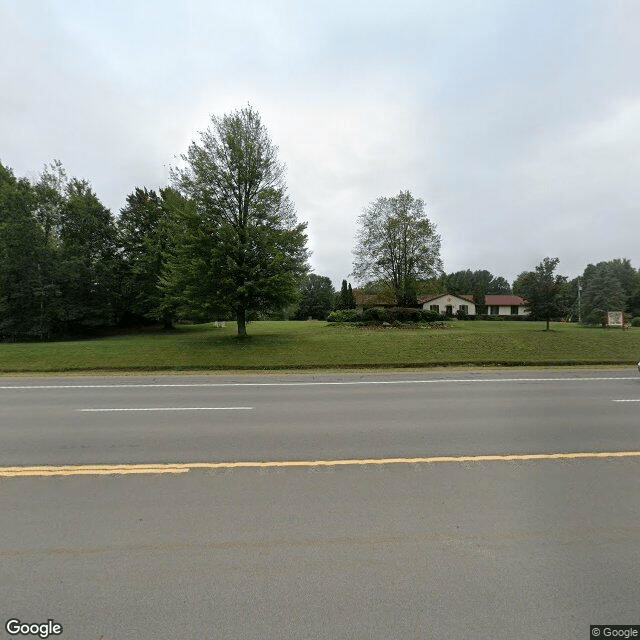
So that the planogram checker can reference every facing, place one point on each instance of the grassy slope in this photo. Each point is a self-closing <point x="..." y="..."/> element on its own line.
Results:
<point x="279" y="345"/>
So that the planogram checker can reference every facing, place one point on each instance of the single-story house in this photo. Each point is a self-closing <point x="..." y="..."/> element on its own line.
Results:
<point x="497" y="305"/>
<point x="448" y="303"/>
<point x="505" y="305"/>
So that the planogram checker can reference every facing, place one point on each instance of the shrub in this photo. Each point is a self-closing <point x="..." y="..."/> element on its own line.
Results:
<point x="344" y="315"/>
<point x="635" y="322"/>
<point x="427" y="315"/>
<point x="377" y="314"/>
<point x="406" y="314"/>
<point x="509" y="318"/>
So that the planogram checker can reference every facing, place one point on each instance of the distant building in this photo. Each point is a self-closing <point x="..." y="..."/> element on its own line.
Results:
<point x="450" y="304"/>
<point x="505" y="305"/>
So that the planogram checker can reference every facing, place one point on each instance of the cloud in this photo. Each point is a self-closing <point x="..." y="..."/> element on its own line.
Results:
<point x="515" y="121"/>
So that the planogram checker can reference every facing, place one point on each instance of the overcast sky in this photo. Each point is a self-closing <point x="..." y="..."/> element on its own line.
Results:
<point x="517" y="122"/>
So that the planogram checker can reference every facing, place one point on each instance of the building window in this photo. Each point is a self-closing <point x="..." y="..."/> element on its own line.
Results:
<point x="514" y="310"/>
<point x="435" y="307"/>
<point x="464" y="308"/>
<point x="494" y="310"/>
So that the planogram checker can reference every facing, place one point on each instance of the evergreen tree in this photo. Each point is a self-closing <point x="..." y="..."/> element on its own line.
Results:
<point x="351" y="299"/>
<point x="602" y="293"/>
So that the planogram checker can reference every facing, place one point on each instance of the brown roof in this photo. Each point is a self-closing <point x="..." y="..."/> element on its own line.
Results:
<point x="504" y="300"/>
<point x="371" y="299"/>
<point x="433" y="296"/>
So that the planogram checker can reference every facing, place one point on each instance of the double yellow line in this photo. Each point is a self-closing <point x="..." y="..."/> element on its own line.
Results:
<point x="126" y="469"/>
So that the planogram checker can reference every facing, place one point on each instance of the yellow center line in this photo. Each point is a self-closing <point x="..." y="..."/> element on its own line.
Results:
<point x="124" y="469"/>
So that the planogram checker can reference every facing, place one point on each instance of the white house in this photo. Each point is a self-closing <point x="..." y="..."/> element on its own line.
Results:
<point x="505" y="305"/>
<point x="497" y="305"/>
<point x="449" y="303"/>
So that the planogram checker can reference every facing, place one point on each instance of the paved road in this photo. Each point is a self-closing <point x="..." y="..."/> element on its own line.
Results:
<point x="503" y="549"/>
<point x="167" y="419"/>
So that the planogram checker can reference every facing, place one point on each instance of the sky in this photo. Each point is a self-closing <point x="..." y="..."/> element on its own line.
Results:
<point x="517" y="122"/>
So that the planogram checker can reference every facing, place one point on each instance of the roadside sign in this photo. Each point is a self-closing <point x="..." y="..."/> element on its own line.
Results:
<point x="615" y="318"/>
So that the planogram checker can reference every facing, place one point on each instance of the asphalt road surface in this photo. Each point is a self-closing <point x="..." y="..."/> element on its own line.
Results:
<point x="456" y="504"/>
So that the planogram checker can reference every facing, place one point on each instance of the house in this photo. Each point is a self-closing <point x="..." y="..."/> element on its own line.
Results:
<point x="505" y="305"/>
<point x="496" y="305"/>
<point x="448" y="303"/>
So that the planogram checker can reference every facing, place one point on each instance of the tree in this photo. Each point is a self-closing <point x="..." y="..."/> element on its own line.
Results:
<point x="397" y="243"/>
<point x="542" y="290"/>
<point x="602" y="292"/>
<point x="627" y="285"/>
<point x="464" y="282"/>
<point x="316" y="298"/>
<point x="22" y="244"/>
<point x="345" y="299"/>
<point x="145" y="228"/>
<point x="245" y="247"/>
<point x="88" y="261"/>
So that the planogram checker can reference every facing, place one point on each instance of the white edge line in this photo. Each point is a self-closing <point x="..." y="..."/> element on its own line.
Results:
<point x="173" y="409"/>
<point x="313" y="384"/>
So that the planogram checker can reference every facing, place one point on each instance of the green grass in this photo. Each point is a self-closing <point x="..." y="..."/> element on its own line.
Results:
<point x="308" y="345"/>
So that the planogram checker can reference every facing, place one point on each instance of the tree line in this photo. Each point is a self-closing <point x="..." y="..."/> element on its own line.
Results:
<point x="222" y="241"/>
<point x="610" y="285"/>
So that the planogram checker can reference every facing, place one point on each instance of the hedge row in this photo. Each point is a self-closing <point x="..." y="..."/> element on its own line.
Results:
<point x="383" y="314"/>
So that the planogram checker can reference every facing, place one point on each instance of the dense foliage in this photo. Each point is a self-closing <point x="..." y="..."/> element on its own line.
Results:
<point x="60" y="266"/>
<point x="542" y="290"/>
<point x="240" y="248"/>
<point x="397" y="244"/>
<point x="316" y="298"/>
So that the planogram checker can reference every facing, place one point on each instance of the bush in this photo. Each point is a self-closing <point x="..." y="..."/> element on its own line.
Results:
<point x="428" y="315"/>
<point x="400" y="315"/>
<point x="509" y="318"/>
<point x="377" y="314"/>
<point x="406" y="314"/>
<point x="344" y="315"/>
<point x="635" y="322"/>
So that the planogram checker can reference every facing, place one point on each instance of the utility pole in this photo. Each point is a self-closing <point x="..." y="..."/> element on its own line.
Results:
<point x="579" y="304"/>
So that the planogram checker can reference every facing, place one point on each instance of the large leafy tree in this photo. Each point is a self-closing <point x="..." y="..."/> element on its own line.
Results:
<point x="467" y="281"/>
<point x="397" y="244"/>
<point x="144" y="227"/>
<point x="88" y="260"/>
<point x="22" y="246"/>
<point x="542" y="290"/>
<point x="316" y="298"/>
<point x="242" y="248"/>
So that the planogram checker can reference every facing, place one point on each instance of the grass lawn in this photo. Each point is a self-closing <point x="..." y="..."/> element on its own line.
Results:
<point x="302" y="345"/>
